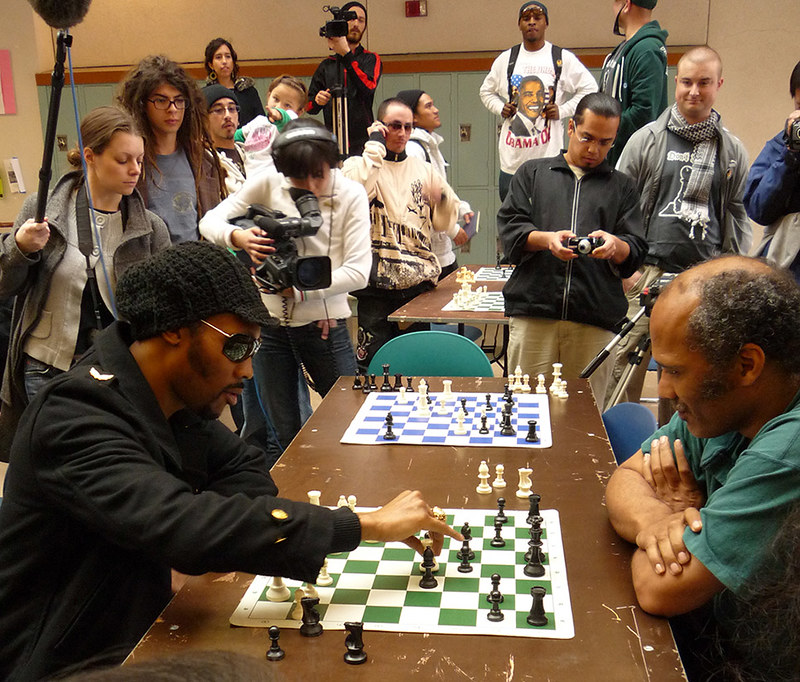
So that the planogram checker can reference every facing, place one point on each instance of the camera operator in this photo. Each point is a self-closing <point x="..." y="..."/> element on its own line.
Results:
<point x="310" y="326"/>
<point x="772" y="193"/>
<point x="354" y="69"/>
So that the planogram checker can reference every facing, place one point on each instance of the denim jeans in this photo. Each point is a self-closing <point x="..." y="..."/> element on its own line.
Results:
<point x="276" y="365"/>
<point x="37" y="374"/>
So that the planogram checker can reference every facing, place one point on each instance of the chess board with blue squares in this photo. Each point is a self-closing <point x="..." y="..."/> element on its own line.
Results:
<point x="378" y="584"/>
<point x="485" y="302"/>
<point x="411" y="427"/>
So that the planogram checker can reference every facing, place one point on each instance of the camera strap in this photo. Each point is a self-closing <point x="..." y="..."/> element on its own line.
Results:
<point x="85" y="244"/>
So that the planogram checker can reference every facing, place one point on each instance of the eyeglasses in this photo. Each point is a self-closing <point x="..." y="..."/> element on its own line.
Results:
<point x="222" y="110"/>
<point x="583" y="139"/>
<point x="238" y="347"/>
<point x="397" y="126"/>
<point x="163" y="103"/>
<point x="536" y="13"/>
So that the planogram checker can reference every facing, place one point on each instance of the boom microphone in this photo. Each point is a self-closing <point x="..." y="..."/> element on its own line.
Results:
<point x="61" y="13"/>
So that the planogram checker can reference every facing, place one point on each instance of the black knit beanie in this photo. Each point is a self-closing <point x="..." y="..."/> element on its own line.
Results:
<point x="184" y="284"/>
<point x="216" y="92"/>
<point x="410" y="97"/>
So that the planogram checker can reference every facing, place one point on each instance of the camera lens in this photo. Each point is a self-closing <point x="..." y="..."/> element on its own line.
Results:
<point x="584" y="246"/>
<point x="313" y="273"/>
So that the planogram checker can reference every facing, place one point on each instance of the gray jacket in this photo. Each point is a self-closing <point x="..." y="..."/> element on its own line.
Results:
<point x="643" y="159"/>
<point x="29" y="279"/>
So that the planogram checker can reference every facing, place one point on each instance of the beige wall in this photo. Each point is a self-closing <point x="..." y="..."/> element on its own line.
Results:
<point x="754" y="100"/>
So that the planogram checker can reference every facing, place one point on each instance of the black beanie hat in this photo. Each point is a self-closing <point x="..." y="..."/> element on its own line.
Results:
<point x="410" y="97"/>
<point x="185" y="284"/>
<point x="216" y="91"/>
<point x="646" y="4"/>
<point x="540" y="5"/>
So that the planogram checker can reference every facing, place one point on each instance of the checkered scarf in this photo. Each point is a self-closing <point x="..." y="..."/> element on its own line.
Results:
<point x="694" y="208"/>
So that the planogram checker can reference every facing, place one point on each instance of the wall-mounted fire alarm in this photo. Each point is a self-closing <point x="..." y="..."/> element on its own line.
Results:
<point x="416" y="8"/>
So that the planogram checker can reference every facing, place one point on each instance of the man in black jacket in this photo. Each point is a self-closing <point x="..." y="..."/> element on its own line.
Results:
<point x="120" y="471"/>
<point x="357" y="71"/>
<point x="565" y="306"/>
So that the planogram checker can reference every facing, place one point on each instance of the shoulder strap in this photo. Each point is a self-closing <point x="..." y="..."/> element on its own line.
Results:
<point x="512" y="62"/>
<point x="85" y="245"/>
<point x="558" y="65"/>
<point x="427" y="156"/>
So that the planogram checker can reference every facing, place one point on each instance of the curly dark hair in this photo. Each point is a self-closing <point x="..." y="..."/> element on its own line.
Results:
<point x="193" y="136"/>
<point x="212" y="47"/>
<point x="742" y="306"/>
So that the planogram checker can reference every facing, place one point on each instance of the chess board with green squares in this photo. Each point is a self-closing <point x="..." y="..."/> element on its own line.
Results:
<point x="378" y="584"/>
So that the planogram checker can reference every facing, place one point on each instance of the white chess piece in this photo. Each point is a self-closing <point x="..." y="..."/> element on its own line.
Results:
<point x="556" y="377"/>
<point x="324" y="579"/>
<point x="483" y="474"/>
<point x="524" y="482"/>
<point x="499" y="481"/>
<point x="311" y="591"/>
<point x="447" y="390"/>
<point x="297" y="609"/>
<point x="540" y="387"/>
<point x="278" y="591"/>
<point x="460" y="429"/>
<point x="526" y="383"/>
<point x="562" y="390"/>
<point x="351" y="502"/>
<point x="342" y="501"/>
<point x="441" y="408"/>
<point x="403" y="398"/>
<point x="313" y="497"/>
<point x="423" y="409"/>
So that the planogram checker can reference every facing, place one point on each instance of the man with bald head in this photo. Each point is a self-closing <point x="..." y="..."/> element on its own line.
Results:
<point x="706" y="494"/>
<point x="690" y="172"/>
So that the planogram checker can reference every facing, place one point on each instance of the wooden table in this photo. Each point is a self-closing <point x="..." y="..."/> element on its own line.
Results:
<point x="614" y="639"/>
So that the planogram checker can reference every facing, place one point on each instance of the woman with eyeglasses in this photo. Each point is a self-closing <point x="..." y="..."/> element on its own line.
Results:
<point x="47" y="265"/>
<point x="182" y="177"/>
<point x="222" y="66"/>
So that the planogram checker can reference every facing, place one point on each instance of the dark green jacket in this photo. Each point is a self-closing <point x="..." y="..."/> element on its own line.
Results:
<point x="635" y="74"/>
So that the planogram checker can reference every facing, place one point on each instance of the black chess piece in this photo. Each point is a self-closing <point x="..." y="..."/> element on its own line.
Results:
<point x="497" y="540"/>
<point x="428" y="580"/>
<point x="534" y="568"/>
<point x="409" y="387"/>
<point x="386" y="386"/>
<point x="463" y="402"/>
<point x="489" y="406"/>
<point x="398" y="383"/>
<point x="357" y="385"/>
<point x="495" y="588"/>
<point x="535" y="544"/>
<point x="501" y="515"/>
<point x="483" y="429"/>
<point x="275" y="653"/>
<point x="537" y="616"/>
<point x="389" y="435"/>
<point x="532" y="437"/>
<point x="354" y="642"/>
<point x="311" y="626"/>
<point x="506" y="429"/>
<point x="373" y="386"/>
<point x="463" y="554"/>
<point x="466" y="531"/>
<point x="495" y="614"/>
<point x="533" y="513"/>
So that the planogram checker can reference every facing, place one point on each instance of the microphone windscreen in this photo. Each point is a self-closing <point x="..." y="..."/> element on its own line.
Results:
<point x="61" y="13"/>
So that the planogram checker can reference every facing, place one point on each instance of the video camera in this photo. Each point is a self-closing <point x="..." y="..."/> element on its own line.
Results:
<point x="337" y="27"/>
<point x="793" y="138"/>
<point x="647" y="299"/>
<point x="584" y="245"/>
<point x="284" y="268"/>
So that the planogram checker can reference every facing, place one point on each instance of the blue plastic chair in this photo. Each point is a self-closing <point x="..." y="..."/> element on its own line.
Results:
<point x="432" y="354"/>
<point x="627" y="425"/>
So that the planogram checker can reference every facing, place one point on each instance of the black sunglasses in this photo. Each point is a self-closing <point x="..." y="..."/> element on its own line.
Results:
<point x="238" y="347"/>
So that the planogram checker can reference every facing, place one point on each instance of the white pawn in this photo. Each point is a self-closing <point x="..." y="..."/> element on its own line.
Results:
<point x="351" y="502"/>
<point x="297" y="609"/>
<point x="278" y="591"/>
<point x="402" y="399"/>
<point x="526" y="383"/>
<point x="499" y="481"/>
<point x="483" y="473"/>
<point x="324" y="579"/>
<point x="422" y="405"/>
<point x="540" y="387"/>
<point x="342" y="501"/>
<point x="460" y="429"/>
<point x="441" y="408"/>
<point x="313" y="497"/>
<point x="525" y="484"/>
<point x="562" y="390"/>
<point x="311" y="591"/>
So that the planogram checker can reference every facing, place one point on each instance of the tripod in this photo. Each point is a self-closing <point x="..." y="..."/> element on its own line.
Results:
<point x="339" y="111"/>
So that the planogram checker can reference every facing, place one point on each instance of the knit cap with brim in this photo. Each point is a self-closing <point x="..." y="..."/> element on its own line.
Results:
<point x="184" y="284"/>
<point x="646" y="4"/>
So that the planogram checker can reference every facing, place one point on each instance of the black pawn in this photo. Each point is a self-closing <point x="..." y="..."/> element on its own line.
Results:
<point x="428" y="580"/>
<point x="506" y="393"/>
<point x="357" y="385"/>
<point x="489" y="406"/>
<point x="373" y="386"/>
<point x="409" y="387"/>
<point x="389" y="435"/>
<point x="495" y="588"/>
<point x="311" y="626"/>
<point x="465" y="566"/>
<point x="501" y="515"/>
<point x="354" y="642"/>
<point x="483" y="429"/>
<point x="536" y="617"/>
<point x="495" y="614"/>
<point x="533" y="513"/>
<point x="275" y="653"/>
<point x="386" y="386"/>
<point x="398" y="383"/>
<point x="497" y="540"/>
<point x="532" y="437"/>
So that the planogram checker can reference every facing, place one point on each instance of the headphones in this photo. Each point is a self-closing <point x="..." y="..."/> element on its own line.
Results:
<point x="301" y="131"/>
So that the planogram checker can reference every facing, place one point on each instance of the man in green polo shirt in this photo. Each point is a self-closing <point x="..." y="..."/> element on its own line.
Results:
<point x="707" y="493"/>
